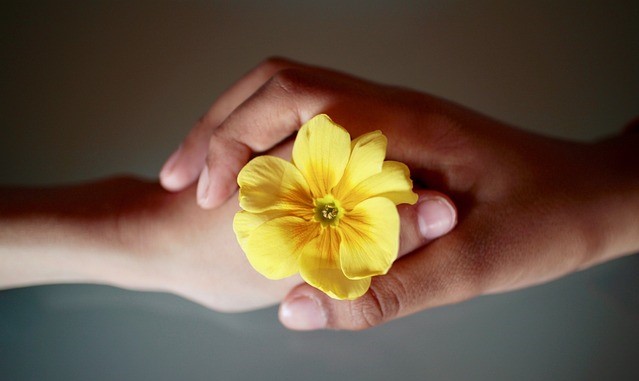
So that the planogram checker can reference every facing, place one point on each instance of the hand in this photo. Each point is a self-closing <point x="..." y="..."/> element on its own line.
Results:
<point x="193" y="252"/>
<point x="132" y="234"/>
<point x="531" y="208"/>
<point x="210" y="265"/>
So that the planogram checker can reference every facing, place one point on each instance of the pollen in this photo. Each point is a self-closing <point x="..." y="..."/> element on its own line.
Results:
<point x="329" y="212"/>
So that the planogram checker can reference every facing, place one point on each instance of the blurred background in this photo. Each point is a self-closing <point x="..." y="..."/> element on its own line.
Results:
<point x="94" y="88"/>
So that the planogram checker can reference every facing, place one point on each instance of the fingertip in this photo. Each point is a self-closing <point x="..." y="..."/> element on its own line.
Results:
<point x="303" y="310"/>
<point x="172" y="182"/>
<point x="169" y="178"/>
<point x="436" y="216"/>
<point x="181" y="170"/>
<point x="433" y="216"/>
<point x="213" y="193"/>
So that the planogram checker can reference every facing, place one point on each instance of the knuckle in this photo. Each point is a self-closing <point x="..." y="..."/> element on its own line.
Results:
<point x="196" y="139"/>
<point x="382" y="303"/>
<point x="290" y="81"/>
<point x="215" y="146"/>
<point x="205" y="122"/>
<point x="273" y="64"/>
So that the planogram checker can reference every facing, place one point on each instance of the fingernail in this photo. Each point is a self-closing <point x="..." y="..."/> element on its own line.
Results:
<point x="170" y="163"/>
<point x="435" y="217"/>
<point x="303" y="314"/>
<point x="203" y="187"/>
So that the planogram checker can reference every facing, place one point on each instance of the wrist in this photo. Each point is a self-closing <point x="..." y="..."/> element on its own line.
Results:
<point x="615" y="171"/>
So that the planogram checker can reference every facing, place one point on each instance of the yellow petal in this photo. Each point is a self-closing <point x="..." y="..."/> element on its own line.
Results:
<point x="270" y="183"/>
<point x="321" y="152"/>
<point x="319" y="267"/>
<point x="393" y="183"/>
<point x="367" y="156"/>
<point x="245" y="223"/>
<point x="274" y="246"/>
<point x="370" y="238"/>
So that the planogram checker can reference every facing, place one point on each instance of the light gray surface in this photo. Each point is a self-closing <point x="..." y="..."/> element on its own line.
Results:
<point x="581" y="328"/>
<point x="92" y="89"/>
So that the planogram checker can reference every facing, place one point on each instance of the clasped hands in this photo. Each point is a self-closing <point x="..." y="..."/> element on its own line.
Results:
<point x="527" y="206"/>
<point x="499" y="208"/>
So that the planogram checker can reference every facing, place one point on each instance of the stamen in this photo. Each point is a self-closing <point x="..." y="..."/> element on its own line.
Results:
<point x="329" y="212"/>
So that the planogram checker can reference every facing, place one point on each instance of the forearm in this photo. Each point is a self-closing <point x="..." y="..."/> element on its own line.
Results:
<point x="131" y="234"/>
<point x="64" y="235"/>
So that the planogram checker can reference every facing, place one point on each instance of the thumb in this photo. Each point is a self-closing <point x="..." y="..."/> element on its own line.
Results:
<point x="307" y="308"/>
<point x="431" y="217"/>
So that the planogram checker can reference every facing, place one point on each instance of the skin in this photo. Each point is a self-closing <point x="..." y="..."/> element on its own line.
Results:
<point x="530" y="208"/>
<point x="131" y="233"/>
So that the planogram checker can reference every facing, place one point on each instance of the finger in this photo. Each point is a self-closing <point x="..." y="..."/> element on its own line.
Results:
<point x="281" y="106"/>
<point x="183" y="167"/>
<point x="415" y="282"/>
<point x="268" y="117"/>
<point x="398" y="293"/>
<point x="433" y="216"/>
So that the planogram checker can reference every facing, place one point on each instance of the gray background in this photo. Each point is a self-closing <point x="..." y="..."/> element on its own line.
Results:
<point x="89" y="89"/>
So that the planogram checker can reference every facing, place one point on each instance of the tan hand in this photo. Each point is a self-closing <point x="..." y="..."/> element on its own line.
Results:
<point x="531" y="208"/>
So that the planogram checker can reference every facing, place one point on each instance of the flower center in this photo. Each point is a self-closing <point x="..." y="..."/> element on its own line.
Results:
<point x="328" y="211"/>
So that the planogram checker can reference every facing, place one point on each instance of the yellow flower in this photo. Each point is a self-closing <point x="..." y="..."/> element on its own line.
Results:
<point x="330" y="215"/>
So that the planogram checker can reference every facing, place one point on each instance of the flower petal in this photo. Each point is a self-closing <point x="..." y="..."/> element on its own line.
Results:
<point x="370" y="238"/>
<point x="274" y="246"/>
<point x="245" y="223"/>
<point x="321" y="152"/>
<point x="319" y="267"/>
<point x="393" y="183"/>
<point x="367" y="156"/>
<point x="270" y="183"/>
